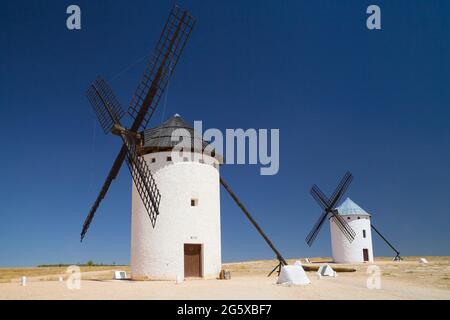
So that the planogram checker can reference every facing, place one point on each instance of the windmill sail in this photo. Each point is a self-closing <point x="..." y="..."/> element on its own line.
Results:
<point x="328" y="206"/>
<point x="109" y="179"/>
<point x="315" y="230"/>
<point x="143" y="180"/>
<point x="105" y="104"/>
<point x="341" y="189"/>
<point x="108" y="111"/>
<point x="154" y="81"/>
<point x="160" y="67"/>
<point x="345" y="228"/>
<point x="318" y="195"/>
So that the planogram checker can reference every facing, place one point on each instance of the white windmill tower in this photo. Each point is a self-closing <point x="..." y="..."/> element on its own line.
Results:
<point x="173" y="179"/>
<point x="350" y="226"/>
<point x="360" y="249"/>
<point x="186" y="190"/>
<point x="186" y="242"/>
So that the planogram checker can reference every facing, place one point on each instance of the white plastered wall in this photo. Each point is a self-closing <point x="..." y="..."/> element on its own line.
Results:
<point x="346" y="252"/>
<point x="158" y="253"/>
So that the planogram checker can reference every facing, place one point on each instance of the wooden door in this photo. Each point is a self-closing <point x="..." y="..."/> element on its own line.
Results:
<point x="366" y="254"/>
<point x="192" y="260"/>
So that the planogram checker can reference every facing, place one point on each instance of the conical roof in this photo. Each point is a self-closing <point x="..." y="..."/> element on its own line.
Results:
<point x="348" y="207"/>
<point x="160" y="138"/>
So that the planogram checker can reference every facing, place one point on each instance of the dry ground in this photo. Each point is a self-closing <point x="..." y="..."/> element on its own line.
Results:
<point x="400" y="280"/>
<point x="52" y="273"/>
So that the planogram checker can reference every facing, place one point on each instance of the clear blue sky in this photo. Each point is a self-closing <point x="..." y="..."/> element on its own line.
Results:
<point x="343" y="97"/>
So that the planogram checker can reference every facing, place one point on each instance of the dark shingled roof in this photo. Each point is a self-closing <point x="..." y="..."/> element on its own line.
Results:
<point x="160" y="137"/>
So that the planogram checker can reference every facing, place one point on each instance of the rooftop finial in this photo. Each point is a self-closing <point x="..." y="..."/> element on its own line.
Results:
<point x="177" y="115"/>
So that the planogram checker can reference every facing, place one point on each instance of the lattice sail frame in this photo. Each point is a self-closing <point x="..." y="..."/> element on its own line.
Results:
<point x="161" y="64"/>
<point x="143" y="179"/>
<point x="109" y="112"/>
<point x="159" y="68"/>
<point x="315" y="230"/>
<point x="328" y="206"/>
<point x="345" y="228"/>
<point x="105" y="104"/>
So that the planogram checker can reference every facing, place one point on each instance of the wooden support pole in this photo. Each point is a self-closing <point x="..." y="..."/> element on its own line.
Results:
<point x="253" y="222"/>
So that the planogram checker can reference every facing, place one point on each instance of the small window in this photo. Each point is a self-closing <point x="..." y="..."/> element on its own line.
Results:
<point x="194" y="202"/>
<point x="153" y="160"/>
<point x="348" y="218"/>
<point x="359" y="217"/>
<point x="169" y="159"/>
<point x="364" y="233"/>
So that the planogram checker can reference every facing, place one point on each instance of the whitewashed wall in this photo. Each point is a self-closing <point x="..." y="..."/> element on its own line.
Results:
<point x="343" y="250"/>
<point x="158" y="253"/>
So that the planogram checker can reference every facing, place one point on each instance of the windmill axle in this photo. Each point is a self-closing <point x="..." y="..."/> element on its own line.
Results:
<point x="118" y="130"/>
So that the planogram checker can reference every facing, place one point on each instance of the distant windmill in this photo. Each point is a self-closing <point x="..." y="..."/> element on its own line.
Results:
<point x="348" y="223"/>
<point x="147" y="152"/>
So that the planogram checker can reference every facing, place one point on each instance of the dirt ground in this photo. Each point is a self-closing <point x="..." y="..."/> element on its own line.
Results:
<point x="407" y="279"/>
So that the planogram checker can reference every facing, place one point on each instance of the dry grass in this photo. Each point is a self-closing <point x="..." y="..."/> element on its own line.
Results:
<point x="435" y="274"/>
<point x="407" y="279"/>
<point x="53" y="273"/>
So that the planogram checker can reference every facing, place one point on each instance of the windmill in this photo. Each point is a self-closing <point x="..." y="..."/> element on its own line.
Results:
<point x="157" y="74"/>
<point x="143" y="104"/>
<point x="329" y="209"/>
<point x="349" y="221"/>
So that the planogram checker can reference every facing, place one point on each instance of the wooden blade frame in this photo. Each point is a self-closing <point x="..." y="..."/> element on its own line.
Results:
<point x="328" y="206"/>
<point x="109" y="179"/>
<point x="145" y="100"/>
<point x="160" y="67"/>
<point x="340" y="189"/>
<point x="320" y="197"/>
<point x="143" y="179"/>
<point x="316" y="228"/>
<point x="109" y="114"/>
<point x="345" y="228"/>
<point x="106" y="105"/>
